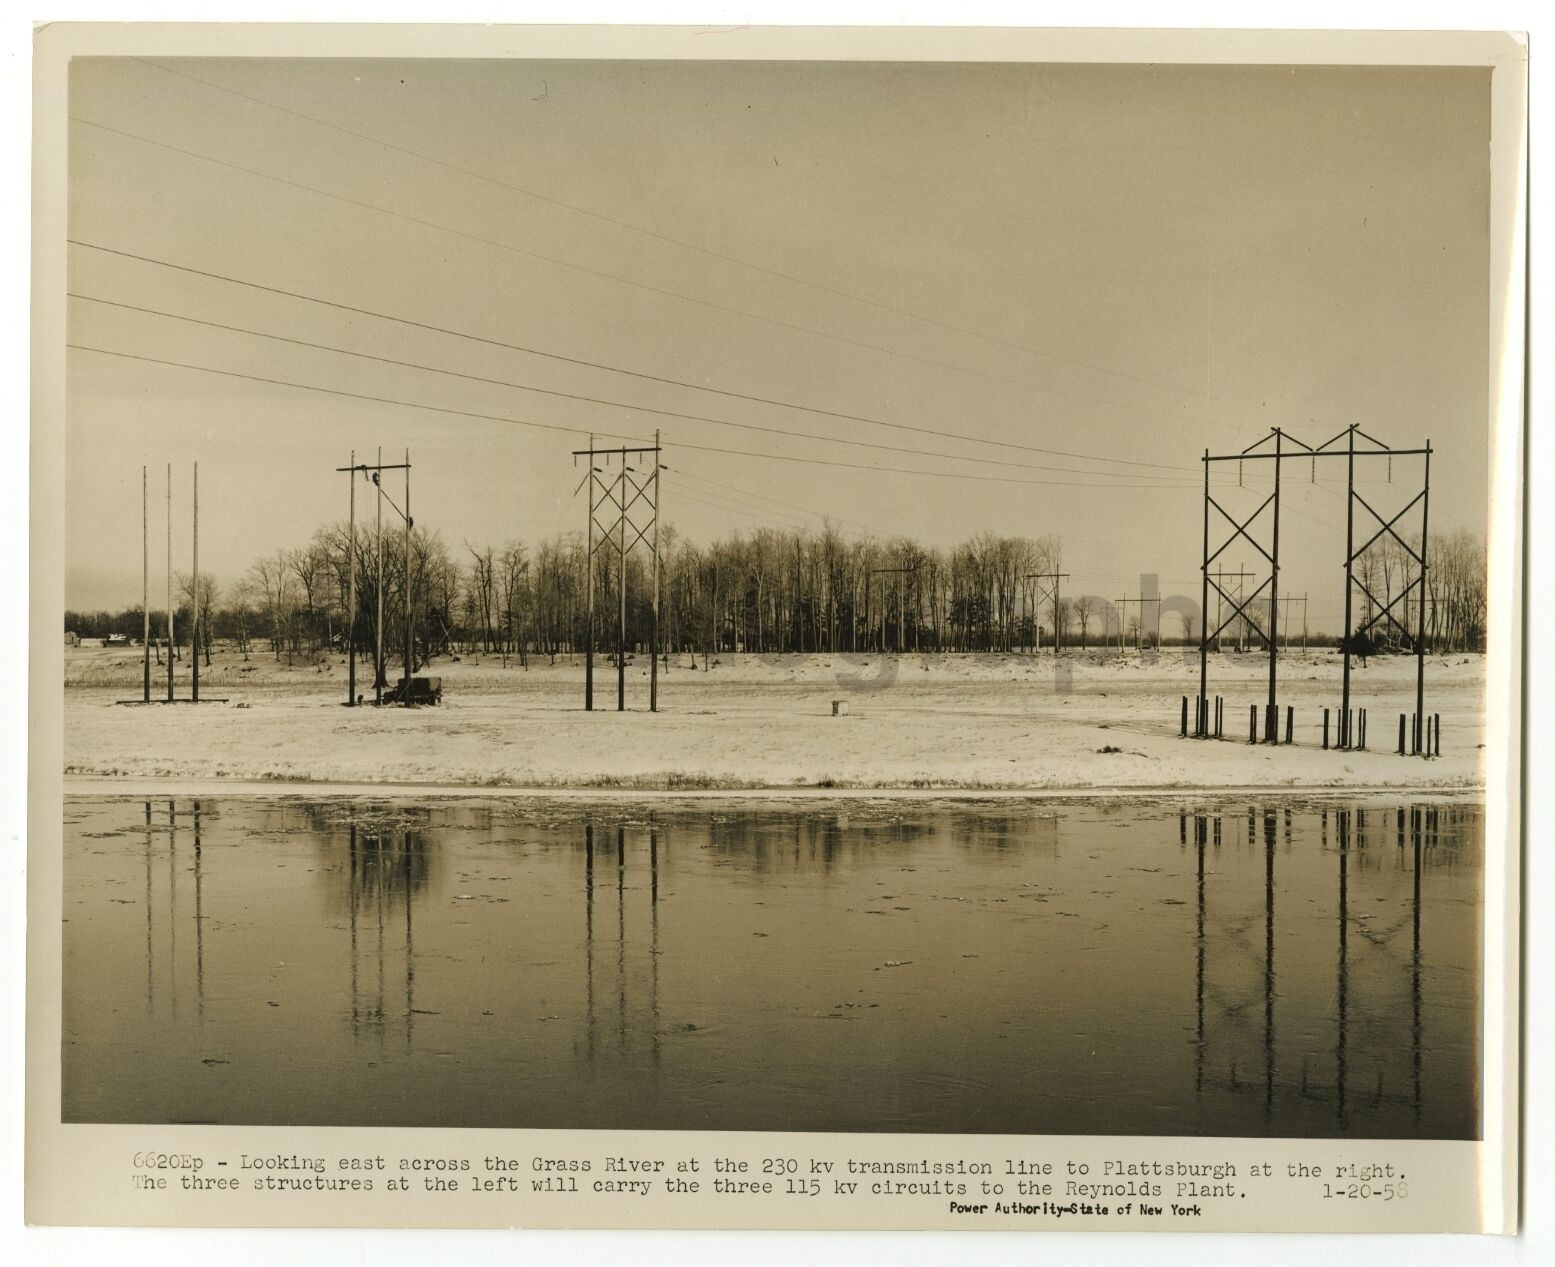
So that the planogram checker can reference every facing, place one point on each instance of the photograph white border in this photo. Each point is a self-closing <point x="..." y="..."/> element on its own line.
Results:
<point x="1505" y="752"/>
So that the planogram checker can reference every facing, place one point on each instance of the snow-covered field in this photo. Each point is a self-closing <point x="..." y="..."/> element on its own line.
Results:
<point x="1015" y="722"/>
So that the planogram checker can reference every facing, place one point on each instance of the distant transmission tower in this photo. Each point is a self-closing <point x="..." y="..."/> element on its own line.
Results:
<point x="629" y="502"/>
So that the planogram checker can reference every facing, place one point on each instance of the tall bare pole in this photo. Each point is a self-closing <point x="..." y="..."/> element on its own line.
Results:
<point x="1199" y="727"/>
<point x="194" y="598"/>
<point x="410" y="632"/>
<point x="1274" y="599"/>
<point x="621" y="586"/>
<point x="588" y="636"/>
<point x="378" y="621"/>
<point x="1219" y="610"/>
<point x="1422" y="743"/>
<point x="1241" y="624"/>
<point x="1058" y="617"/>
<point x="351" y="592"/>
<point x="1349" y="587"/>
<point x="169" y="582"/>
<point x="653" y="669"/>
<point x="145" y="593"/>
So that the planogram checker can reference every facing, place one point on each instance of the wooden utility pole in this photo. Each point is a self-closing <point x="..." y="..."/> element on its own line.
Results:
<point x="169" y="582"/>
<point x="1139" y="623"/>
<point x="1349" y="586"/>
<point x="378" y="622"/>
<point x="1222" y="575"/>
<point x="653" y="671"/>
<point x="621" y="586"/>
<point x="588" y="637"/>
<point x="145" y="593"/>
<point x="1272" y="722"/>
<point x="194" y="598"/>
<point x="410" y="646"/>
<point x="1201" y="728"/>
<point x="1290" y="600"/>
<point x="1421" y="745"/>
<point x="375" y="471"/>
<point x="351" y="591"/>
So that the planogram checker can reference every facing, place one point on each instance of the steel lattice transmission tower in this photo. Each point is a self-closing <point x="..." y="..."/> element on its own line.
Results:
<point x="1280" y="448"/>
<point x="628" y="500"/>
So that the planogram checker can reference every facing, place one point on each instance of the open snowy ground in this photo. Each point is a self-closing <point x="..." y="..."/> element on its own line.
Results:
<point x="971" y="722"/>
<point x="1090" y="719"/>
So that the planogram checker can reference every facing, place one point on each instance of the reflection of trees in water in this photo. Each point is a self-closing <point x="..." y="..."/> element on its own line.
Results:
<point x="800" y="842"/>
<point x="1414" y="841"/>
<point x="787" y="842"/>
<point x="1000" y="832"/>
<point x="396" y="865"/>
<point x="374" y="850"/>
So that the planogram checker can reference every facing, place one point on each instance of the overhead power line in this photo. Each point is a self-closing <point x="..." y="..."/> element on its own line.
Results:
<point x="523" y="422"/>
<point x="600" y="216"/>
<point x="335" y="391"/>
<point x="638" y="374"/>
<point x="842" y="523"/>
<point x="593" y="400"/>
<point x="683" y="472"/>
<point x="728" y="309"/>
<point x="900" y="470"/>
<point x="772" y="518"/>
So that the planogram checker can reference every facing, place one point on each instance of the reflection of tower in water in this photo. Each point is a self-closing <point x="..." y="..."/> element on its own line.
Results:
<point x="387" y="866"/>
<point x="603" y="1009"/>
<point x="168" y="958"/>
<point x="1423" y="836"/>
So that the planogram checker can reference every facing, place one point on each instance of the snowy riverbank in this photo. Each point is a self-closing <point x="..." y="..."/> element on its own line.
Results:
<point x="992" y="722"/>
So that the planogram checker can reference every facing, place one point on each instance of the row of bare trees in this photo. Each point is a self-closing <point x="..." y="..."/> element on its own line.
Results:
<point x="1454" y="592"/>
<point x="770" y="591"/>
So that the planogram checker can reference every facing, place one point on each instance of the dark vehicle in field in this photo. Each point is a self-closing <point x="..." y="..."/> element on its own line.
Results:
<point x="423" y="690"/>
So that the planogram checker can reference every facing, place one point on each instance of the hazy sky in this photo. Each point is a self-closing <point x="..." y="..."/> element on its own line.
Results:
<point x="1126" y="263"/>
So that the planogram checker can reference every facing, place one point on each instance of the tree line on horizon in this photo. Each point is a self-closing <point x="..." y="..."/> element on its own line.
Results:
<point x="768" y="591"/>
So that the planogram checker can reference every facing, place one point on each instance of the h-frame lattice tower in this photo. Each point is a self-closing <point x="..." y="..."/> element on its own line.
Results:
<point x="620" y="497"/>
<point x="1280" y="447"/>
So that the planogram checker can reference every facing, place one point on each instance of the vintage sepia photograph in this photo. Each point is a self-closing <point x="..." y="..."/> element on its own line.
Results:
<point x="858" y="596"/>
